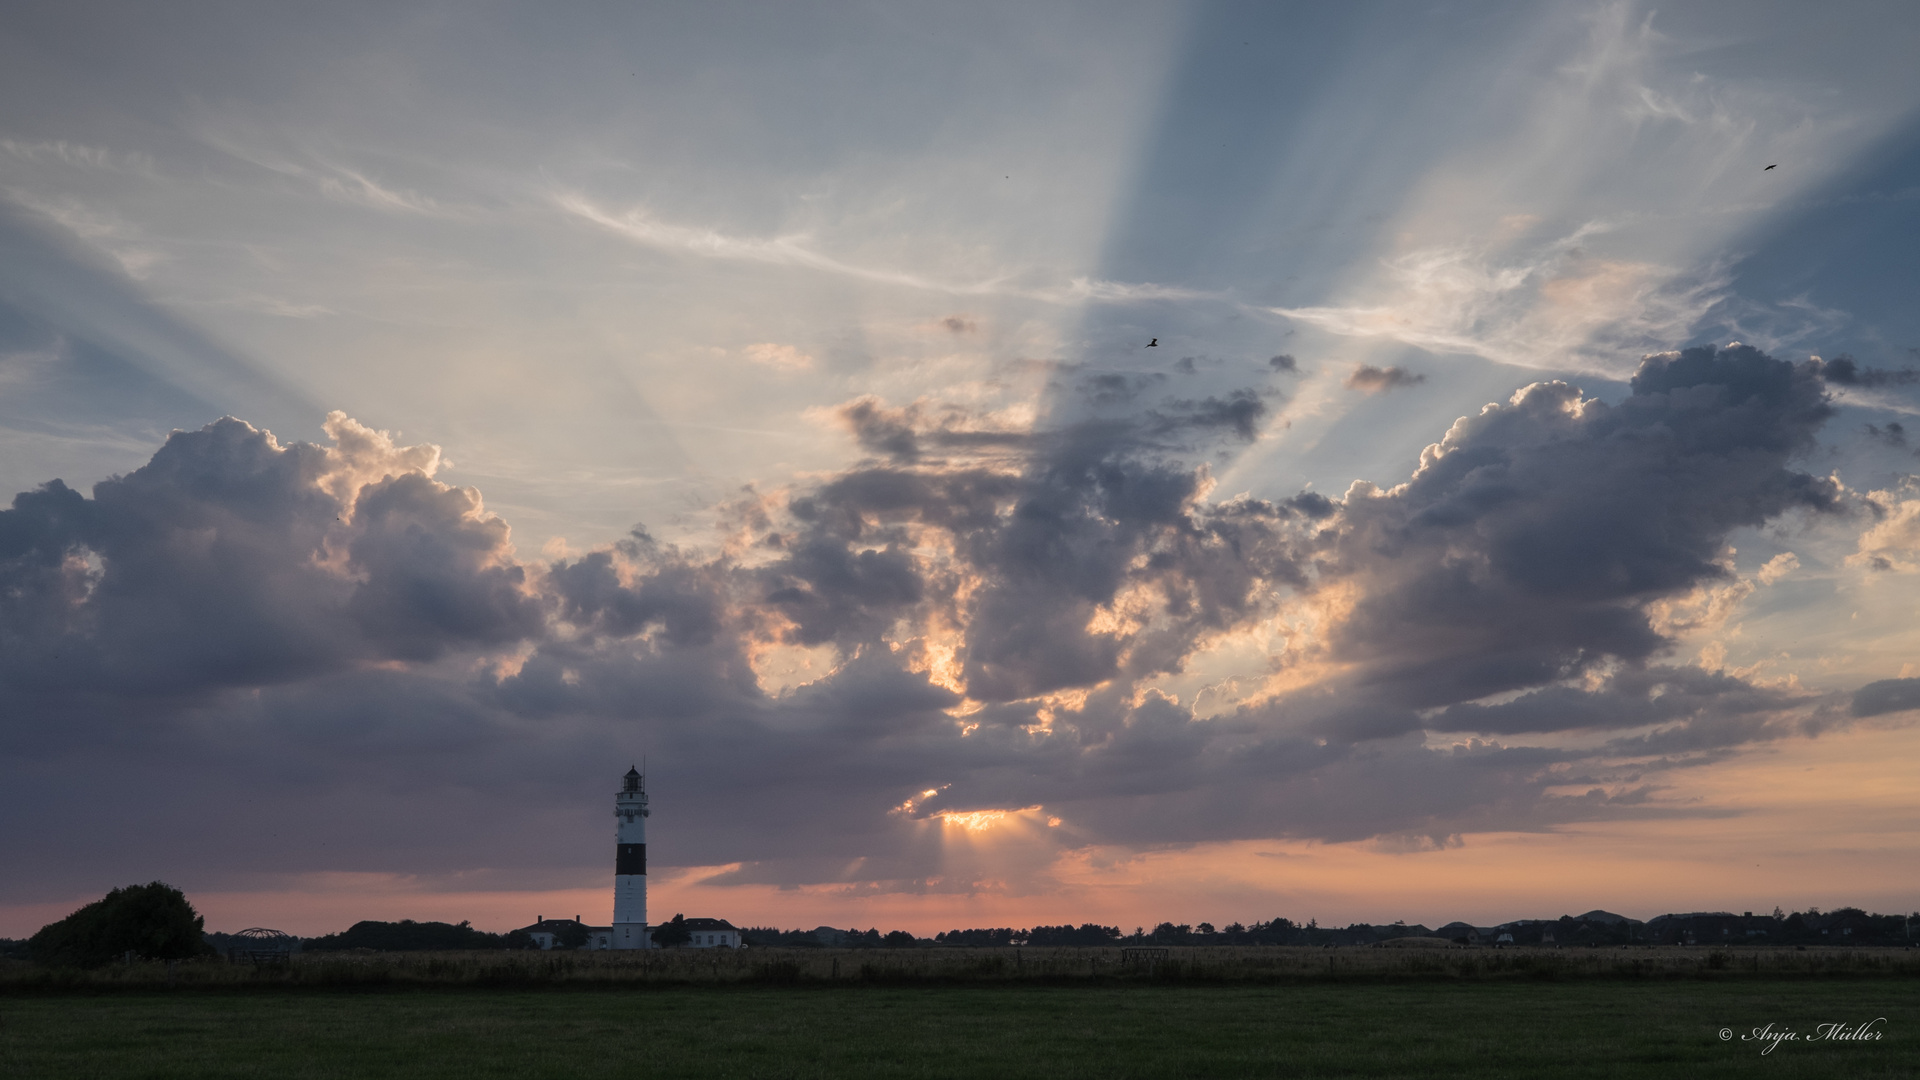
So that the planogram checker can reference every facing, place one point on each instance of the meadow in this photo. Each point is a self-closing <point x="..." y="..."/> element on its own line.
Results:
<point x="1479" y="1028"/>
<point x="962" y="1013"/>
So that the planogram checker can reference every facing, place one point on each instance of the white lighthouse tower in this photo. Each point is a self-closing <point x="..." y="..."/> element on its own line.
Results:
<point x="630" y="864"/>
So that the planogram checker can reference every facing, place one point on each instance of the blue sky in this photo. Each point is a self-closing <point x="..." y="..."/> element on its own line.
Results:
<point x="764" y="390"/>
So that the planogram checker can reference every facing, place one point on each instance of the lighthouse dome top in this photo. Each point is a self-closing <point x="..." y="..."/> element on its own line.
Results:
<point x="632" y="780"/>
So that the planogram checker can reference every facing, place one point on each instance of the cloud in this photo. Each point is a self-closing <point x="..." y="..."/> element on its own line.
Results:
<point x="795" y="250"/>
<point x="1886" y="696"/>
<point x="1529" y="546"/>
<point x="1892" y="541"/>
<point x="1006" y="629"/>
<point x="1372" y="380"/>
<point x="1894" y="434"/>
<point x="1778" y="567"/>
<point x="1548" y="305"/>
<point x="229" y="561"/>
<point x="80" y="156"/>
<point x="778" y="357"/>
<point x="1283" y="362"/>
<point x="1843" y="370"/>
<point x="882" y="430"/>
<point x="353" y="186"/>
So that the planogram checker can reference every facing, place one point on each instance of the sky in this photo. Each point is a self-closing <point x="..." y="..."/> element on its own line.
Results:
<point x="997" y="464"/>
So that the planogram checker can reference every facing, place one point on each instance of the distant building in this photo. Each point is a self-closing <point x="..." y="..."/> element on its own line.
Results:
<point x="629" y="929"/>
<point x="555" y="933"/>
<point x="712" y="934"/>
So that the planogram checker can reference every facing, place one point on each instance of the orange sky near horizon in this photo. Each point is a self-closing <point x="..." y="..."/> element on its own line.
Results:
<point x="1824" y="822"/>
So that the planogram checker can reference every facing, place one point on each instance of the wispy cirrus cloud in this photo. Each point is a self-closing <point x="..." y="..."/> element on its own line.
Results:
<point x="79" y="155"/>
<point x="335" y="180"/>
<point x="794" y="250"/>
<point x="1552" y="306"/>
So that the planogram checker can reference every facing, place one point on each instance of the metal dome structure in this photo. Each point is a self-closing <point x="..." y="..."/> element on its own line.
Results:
<point x="262" y="946"/>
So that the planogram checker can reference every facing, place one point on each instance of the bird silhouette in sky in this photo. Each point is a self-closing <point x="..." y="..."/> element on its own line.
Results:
<point x="1154" y="344"/>
<point x="1768" y="167"/>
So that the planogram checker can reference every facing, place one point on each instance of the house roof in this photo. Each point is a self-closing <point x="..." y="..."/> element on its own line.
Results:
<point x="555" y="926"/>
<point x="710" y="924"/>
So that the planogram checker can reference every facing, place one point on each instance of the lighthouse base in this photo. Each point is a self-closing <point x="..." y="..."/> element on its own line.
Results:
<point x="632" y="935"/>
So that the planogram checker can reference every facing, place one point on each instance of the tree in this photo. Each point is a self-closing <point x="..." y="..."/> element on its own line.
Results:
<point x="153" y="921"/>
<point x="408" y="936"/>
<point x="669" y="934"/>
<point x="1086" y="934"/>
<point x="898" y="939"/>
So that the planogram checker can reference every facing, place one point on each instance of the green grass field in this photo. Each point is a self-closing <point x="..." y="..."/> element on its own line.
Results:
<point x="1411" y="1029"/>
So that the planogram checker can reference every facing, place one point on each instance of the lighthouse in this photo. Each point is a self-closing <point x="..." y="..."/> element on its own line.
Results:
<point x="630" y="864"/>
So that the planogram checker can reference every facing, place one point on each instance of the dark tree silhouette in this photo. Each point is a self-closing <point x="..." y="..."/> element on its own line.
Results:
<point x="153" y="921"/>
<point x="669" y="934"/>
<point x="408" y="936"/>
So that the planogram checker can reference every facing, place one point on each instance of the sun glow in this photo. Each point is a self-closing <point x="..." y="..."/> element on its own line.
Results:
<point x="910" y="805"/>
<point x="980" y="820"/>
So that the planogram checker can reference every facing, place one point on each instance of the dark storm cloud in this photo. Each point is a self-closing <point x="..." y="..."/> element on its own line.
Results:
<point x="225" y="562"/>
<point x="1886" y="696"/>
<point x="1894" y="434"/>
<point x="1844" y="370"/>
<point x="882" y="430"/>
<point x="905" y="434"/>
<point x="434" y="571"/>
<point x="1098" y="508"/>
<point x="1372" y="380"/>
<point x="339" y="614"/>
<point x="1528" y="545"/>
<point x="1632" y="698"/>
<point x="684" y="599"/>
<point x="1283" y="362"/>
<point x="1102" y="517"/>
<point x="1240" y="412"/>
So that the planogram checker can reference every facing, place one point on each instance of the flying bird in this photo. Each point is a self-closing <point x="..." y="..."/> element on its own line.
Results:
<point x="1768" y="167"/>
<point x="1154" y="344"/>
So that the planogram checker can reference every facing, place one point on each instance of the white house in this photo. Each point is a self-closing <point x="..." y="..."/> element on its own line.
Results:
<point x="553" y="933"/>
<point x="712" y="934"/>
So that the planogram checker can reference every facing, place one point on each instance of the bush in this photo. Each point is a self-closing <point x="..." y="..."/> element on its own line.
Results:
<point x="152" y="921"/>
<point x="409" y="936"/>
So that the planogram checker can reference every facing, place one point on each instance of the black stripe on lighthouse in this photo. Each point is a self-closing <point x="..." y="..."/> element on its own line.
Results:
<point x="632" y="859"/>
